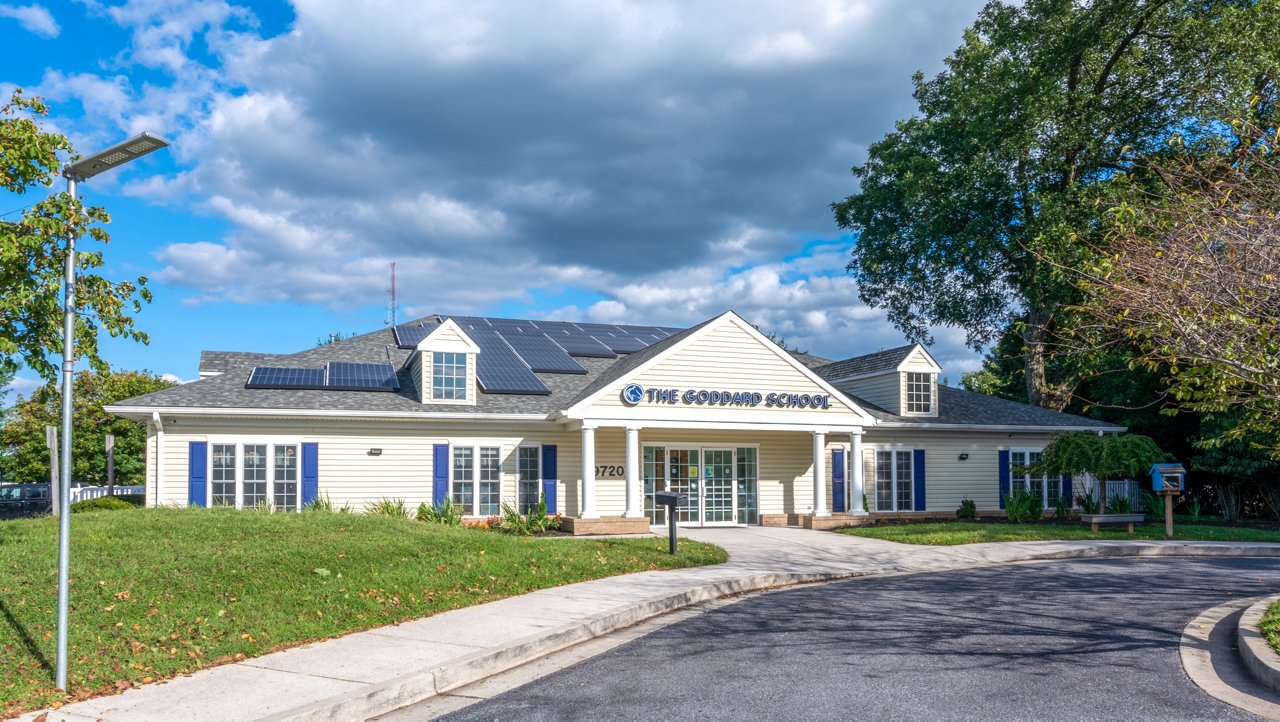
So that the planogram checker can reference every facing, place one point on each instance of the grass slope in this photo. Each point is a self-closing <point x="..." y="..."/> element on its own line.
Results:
<point x="948" y="533"/>
<point x="1270" y="626"/>
<point x="160" y="592"/>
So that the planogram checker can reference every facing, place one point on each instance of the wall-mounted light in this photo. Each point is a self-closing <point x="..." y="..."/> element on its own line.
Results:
<point x="375" y="452"/>
<point x="964" y="457"/>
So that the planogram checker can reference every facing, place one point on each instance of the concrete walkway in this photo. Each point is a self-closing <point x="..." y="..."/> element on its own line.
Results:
<point x="373" y="672"/>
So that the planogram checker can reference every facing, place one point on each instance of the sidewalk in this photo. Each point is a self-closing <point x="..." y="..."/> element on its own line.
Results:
<point x="372" y="672"/>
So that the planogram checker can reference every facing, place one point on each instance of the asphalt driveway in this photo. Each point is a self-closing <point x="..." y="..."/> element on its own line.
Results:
<point x="1093" y="639"/>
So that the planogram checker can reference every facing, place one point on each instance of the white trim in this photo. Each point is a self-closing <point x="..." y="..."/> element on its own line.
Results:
<point x="579" y="410"/>
<point x="159" y="458"/>
<point x="806" y="427"/>
<point x="930" y="426"/>
<point x="239" y="441"/>
<point x="933" y="365"/>
<point x="196" y="411"/>
<point x="431" y="343"/>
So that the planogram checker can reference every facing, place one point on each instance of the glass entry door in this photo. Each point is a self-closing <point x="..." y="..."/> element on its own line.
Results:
<point x="710" y="478"/>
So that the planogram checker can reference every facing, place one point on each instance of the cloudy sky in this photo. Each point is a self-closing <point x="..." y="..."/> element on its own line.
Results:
<point x="602" y="160"/>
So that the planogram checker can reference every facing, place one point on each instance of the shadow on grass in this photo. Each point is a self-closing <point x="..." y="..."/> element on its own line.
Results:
<point x="28" y="642"/>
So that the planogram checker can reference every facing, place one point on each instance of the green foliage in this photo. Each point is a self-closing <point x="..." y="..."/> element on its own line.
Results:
<point x="33" y="255"/>
<point x="535" y="522"/>
<point x="1195" y="509"/>
<point x="386" y="507"/>
<point x="1152" y="503"/>
<point x="1062" y="509"/>
<point x="152" y="580"/>
<point x="332" y="338"/>
<point x="970" y="213"/>
<point x="130" y="501"/>
<point x="1087" y="500"/>
<point x="24" y="456"/>
<point x="1022" y="506"/>
<point x="1111" y="456"/>
<point x="447" y="514"/>
<point x="1119" y="505"/>
<point x="968" y="509"/>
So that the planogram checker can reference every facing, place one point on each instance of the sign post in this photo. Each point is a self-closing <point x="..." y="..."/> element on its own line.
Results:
<point x="1167" y="480"/>
<point x="55" y="490"/>
<point x="111" y="464"/>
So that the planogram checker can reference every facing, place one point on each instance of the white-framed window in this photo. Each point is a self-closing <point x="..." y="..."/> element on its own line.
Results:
<point x="528" y="477"/>
<point x="894" y="480"/>
<point x="448" y="376"/>
<point x="919" y="393"/>
<point x="251" y="474"/>
<point x="1048" y="488"/>
<point x="477" y="480"/>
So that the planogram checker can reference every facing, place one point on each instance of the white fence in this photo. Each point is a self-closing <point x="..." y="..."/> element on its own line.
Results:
<point x="93" y="492"/>
<point x="1127" y="488"/>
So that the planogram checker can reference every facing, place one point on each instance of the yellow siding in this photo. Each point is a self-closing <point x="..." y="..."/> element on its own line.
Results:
<point x="884" y="391"/>
<point x="725" y="358"/>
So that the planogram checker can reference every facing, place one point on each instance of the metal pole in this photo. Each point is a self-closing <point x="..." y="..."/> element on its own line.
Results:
<point x="64" y="483"/>
<point x="671" y="526"/>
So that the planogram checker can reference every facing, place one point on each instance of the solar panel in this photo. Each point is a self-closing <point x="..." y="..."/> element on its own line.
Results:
<point x="511" y="324"/>
<point x="410" y="335"/>
<point x="622" y="344"/>
<point x="347" y="376"/>
<point x="596" y="329"/>
<point x="582" y="345"/>
<point x="499" y="370"/>
<point x="278" y="377"/>
<point x="542" y="354"/>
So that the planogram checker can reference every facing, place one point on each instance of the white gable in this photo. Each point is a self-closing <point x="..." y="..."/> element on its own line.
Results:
<point x="449" y="337"/>
<point x="919" y="361"/>
<point x="725" y="370"/>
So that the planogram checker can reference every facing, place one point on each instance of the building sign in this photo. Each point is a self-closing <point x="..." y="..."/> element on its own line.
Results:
<point x="635" y="394"/>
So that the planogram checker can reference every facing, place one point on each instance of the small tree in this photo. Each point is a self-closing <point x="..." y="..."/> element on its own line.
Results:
<point x="24" y="456"/>
<point x="1111" y="456"/>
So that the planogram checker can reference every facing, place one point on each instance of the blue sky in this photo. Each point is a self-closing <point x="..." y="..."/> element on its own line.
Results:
<point x="601" y="161"/>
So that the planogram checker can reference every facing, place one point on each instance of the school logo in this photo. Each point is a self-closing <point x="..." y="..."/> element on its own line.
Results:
<point x="632" y="394"/>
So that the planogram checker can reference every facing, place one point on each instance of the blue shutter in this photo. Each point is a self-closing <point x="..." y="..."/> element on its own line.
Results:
<point x="549" y="477"/>
<point x="1004" y="475"/>
<point x="917" y="469"/>
<point x="197" y="474"/>
<point x="1066" y="488"/>
<point x="439" y="475"/>
<point x="310" y="472"/>
<point x="837" y="480"/>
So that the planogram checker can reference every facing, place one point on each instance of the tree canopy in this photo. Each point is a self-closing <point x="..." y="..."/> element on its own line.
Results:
<point x="1111" y="456"/>
<point x="968" y="213"/>
<point x="33" y="254"/>
<point x="24" y="456"/>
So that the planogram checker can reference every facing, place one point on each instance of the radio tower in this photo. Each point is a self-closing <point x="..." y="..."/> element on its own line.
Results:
<point x="391" y="298"/>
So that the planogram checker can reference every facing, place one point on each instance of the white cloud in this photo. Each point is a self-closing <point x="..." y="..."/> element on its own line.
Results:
<point x="33" y="18"/>
<point x="21" y="386"/>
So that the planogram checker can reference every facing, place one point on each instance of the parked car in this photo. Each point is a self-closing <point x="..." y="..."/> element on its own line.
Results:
<point x="23" y="500"/>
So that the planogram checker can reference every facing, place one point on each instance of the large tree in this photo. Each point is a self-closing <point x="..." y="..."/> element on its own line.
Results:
<point x="968" y="213"/>
<point x="33" y="254"/>
<point x="24" y="456"/>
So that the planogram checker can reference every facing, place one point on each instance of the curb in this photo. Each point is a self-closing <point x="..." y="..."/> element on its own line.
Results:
<point x="424" y="684"/>
<point x="1259" y="657"/>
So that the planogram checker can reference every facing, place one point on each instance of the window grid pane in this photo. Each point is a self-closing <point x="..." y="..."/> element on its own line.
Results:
<point x="490" y="480"/>
<point x="223" y="478"/>
<point x="529" y="474"/>
<point x="884" y="481"/>
<point x="919" y="393"/>
<point x="448" y="376"/>
<point x="904" y="481"/>
<point x="286" y="478"/>
<point x="463" y="479"/>
<point x="255" y="475"/>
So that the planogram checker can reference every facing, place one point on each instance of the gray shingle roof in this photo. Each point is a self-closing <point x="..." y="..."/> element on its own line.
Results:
<point x="886" y="360"/>
<point x="217" y="362"/>
<point x="227" y="390"/>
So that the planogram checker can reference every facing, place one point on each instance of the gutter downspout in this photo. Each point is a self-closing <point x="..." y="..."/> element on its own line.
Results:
<point x="159" y="427"/>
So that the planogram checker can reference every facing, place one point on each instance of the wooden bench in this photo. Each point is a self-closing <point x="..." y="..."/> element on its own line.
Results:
<point x="1094" y="520"/>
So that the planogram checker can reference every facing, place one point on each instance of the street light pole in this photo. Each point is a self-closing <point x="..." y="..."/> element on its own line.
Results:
<point x="77" y="173"/>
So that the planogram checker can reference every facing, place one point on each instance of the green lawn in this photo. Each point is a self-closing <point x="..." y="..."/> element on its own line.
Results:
<point x="159" y="592"/>
<point x="947" y="533"/>
<point x="1270" y="625"/>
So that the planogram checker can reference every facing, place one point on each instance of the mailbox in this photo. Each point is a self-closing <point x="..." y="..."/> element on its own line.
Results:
<point x="1167" y="477"/>
<point x="670" y="500"/>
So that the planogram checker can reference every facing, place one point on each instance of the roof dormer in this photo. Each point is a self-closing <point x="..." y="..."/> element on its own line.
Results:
<point x="445" y="371"/>
<point x="902" y="381"/>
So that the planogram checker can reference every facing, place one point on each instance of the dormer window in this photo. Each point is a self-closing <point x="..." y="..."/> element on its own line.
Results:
<point x="919" y="393"/>
<point x="448" y="376"/>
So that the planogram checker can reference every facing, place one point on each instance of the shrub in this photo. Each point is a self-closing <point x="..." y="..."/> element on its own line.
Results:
<point x="1152" y="503"/>
<point x="1022" y="506"/>
<point x="1062" y="508"/>
<point x="387" y="507"/>
<point x="102" y="503"/>
<point x="447" y="513"/>
<point x="1088" y="501"/>
<point x="535" y="522"/>
<point x="968" y="509"/>
<point x="324" y="505"/>
<point x="1119" y="505"/>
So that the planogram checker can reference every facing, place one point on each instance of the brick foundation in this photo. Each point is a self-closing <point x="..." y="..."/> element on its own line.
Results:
<point x="604" y="525"/>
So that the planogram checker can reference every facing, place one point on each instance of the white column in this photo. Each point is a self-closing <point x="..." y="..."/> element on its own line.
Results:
<point x="588" y="473"/>
<point x="858" y="485"/>
<point x="820" y="506"/>
<point x="635" y="494"/>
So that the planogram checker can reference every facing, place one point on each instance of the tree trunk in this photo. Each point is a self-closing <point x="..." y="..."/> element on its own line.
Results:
<point x="1036" y="335"/>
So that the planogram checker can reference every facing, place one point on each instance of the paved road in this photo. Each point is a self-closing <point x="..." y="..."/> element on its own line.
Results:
<point x="1065" y="640"/>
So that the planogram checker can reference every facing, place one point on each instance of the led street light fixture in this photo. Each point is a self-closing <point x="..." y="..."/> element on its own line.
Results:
<point x="118" y="154"/>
